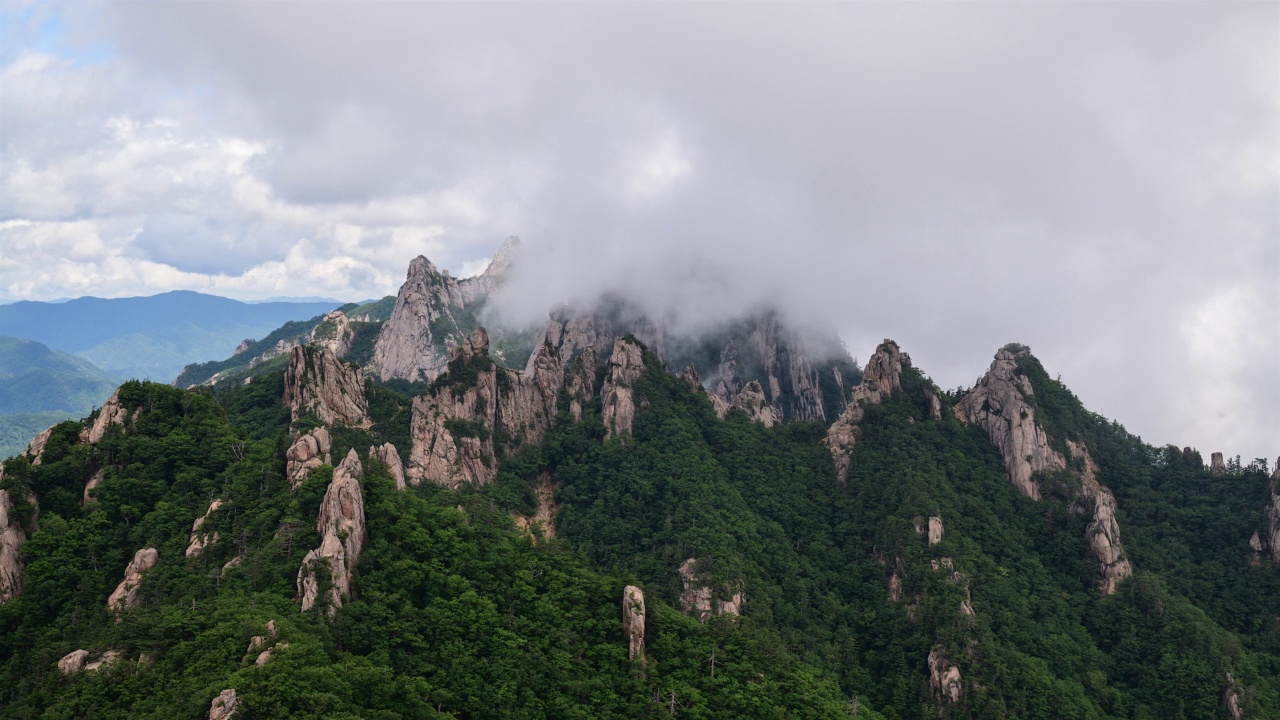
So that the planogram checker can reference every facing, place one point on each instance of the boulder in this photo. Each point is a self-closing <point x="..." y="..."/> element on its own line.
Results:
<point x="199" y="540"/>
<point x="223" y="706"/>
<point x="334" y="333"/>
<point x="309" y="451"/>
<point x="125" y="595"/>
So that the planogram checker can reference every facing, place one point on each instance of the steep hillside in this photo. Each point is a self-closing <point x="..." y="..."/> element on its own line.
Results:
<point x="149" y="337"/>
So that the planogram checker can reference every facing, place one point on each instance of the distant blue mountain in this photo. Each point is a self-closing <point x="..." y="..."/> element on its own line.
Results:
<point x="150" y="337"/>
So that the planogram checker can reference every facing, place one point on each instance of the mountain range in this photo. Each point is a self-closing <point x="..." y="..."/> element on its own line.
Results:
<point x="393" y="511"/>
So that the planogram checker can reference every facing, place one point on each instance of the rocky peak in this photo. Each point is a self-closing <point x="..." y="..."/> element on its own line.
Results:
<point x="317" y="382"/>
<point x="243" y="347"/>
<point x="12" y="538"/>
<point x="112" y="413"/>
<point x="787" y="374"/>
<point x="387" y="453"/>
<point x="125" y="595"/>
<point x="501" y="262"/>
<point x="334" y="333"/>
<point x="413" y="344"/>
<point x="881" y="379"/>
<point x="633" y="616"/>
<point x="998" y="404"/>
<point x="618" y="403"/>
<point x="35" y="448"/>
<point x="342" y="531"/>
<point x="571" y="333"/>
<point x="752" y="401"/>
<point x="309" y="451"/>
<point x="1216" y="465"/>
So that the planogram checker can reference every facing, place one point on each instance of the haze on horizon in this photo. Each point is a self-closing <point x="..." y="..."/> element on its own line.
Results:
<point x="1098" y="181"/>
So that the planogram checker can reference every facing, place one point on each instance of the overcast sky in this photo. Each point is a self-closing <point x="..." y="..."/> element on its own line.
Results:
<point x="1100" y="181"/>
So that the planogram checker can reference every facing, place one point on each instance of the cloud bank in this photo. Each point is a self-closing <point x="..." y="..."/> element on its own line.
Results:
<point x="1099" y="181"/>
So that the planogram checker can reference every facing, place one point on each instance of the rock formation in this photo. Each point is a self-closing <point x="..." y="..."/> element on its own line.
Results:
<point x="387" y="454"/>
<point x="881" y="379"/>
<point x="1103" y="532"/>
<point x="944" y="680"/>
<point x="581" y="380"/>
<point x="73" y="662"/>
<point x="199" y="540"/>
<point x="788" y="379"/>
<point x="107" y="659"/>
<point x="1270" y="533"/>
<point x="998" y="404"/>
<point x="612" y="318"/>
<point x="1231" y="699"/>
<point x="94" y="481"/>
<point x="458" y="423"/>
<point x="342" y="531"/>
<point x="317" y="382"/>
<point x="263" y="647"/>
<point x="1216" y="465"/>
<point x="543" y="523"/>
<point x="309" y="451"/>
<point x="617" y="394"/>
<point x="223" y="706"/>
<point x="415" y="342"/>
<point x="752" y="401"/>
<point x="633" y="621"/>
<point x="35" y="449"/>
<point x="112" y="413"/>
<point x="334" y="333"/>
<point x="935" y="530"/>
<point x="12" y="538"/>
<point x="696" y="595"/>
<point x="125" y="595"/>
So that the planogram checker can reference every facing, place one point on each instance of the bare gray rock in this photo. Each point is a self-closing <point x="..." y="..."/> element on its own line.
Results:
<point x="881" y="379"/>
<point x="612" y="318"/>
<point x="1103" y="532"/>
<point x="387" y="453"/>
<point x="543" y="523"/>
<point x="581" y="380"/>
<point x="1231" y="698"/>
<point x="223" y="706"/>
<point x="334" y="333"/>
<point x="633" y="616"/>
<point x="35" y="449"/>
<point x="94" y="481"/>
<point x="73" y="662"/>
<point x="125" y="595"/>
<point x="342" y="536"/>
<point x="696" y="595"/>
<point x="752" y="401"/>
<point x="935" y="530"/>
<point x="199" y="540"/>
<point x="317" y="382"/>
<point x="112" y="413"/>
<point x="12" y="538"/>
<point x="944" y="680"/>
<point x="998" y="404"/>
<point x="1216" y="465"/>
<point x="617" y="394"/>
<point x="309" y="451"/>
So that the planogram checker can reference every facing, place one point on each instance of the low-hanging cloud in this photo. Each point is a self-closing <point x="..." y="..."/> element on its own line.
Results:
<point x="1100" y="182"/>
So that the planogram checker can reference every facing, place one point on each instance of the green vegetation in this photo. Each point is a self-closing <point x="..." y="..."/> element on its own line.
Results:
<point x="457" y="613"/>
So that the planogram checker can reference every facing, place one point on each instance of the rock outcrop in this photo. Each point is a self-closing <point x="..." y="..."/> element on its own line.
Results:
<point x="334" y="333"/>
<point x="1103" y="532"/>
<point x="342" y="536"/>
<point x="35" y="448"/>
<point x="617" y="394"/>
<point x="612" y="318"/>
<point x="459" y="424"/>
<point x="89" y="496"/>
<point x="1269" y="540"/>
<point x="788" y="379"/>
<point x="317" y="382"/>
<point x="581" y="380"/>
<point x="199" y="540"/>
<point x="882" y="378"/>
<point x="112" y="413"/>
<point x="935" y="530"/>
<point x="696" y="595"/>
<point x="263" y="647"/>
<point x="425" y="324"/>
<point x="223" y="706"/>
<point x="633" y="616"/>
<point x="309" y="451"/>
<point x="944" y="680"/>
<point x="12" y="538"/>
<point x="998" y="404"/>
<point x="125" y="595"/>
<point x="753" y="402"/>
<point x="1216" y="465"/>
<point x="73" y="662"/>
<point x="387" y="453"/>
<point x="543" y="523"/>
<point x="1231" y="699"/>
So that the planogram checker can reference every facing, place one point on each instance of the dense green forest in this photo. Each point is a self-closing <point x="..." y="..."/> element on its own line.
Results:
<point x="457" y="612"/>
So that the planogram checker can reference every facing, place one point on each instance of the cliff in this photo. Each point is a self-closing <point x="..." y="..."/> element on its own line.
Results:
<point x="342" y="536"/>
<point x="318" y="383"/>
<point x="882" y="378"/>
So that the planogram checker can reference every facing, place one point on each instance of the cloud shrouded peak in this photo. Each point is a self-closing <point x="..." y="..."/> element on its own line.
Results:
<point x="1099" y="181"/>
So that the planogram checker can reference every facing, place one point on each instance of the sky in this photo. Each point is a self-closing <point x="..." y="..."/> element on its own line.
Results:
<point x="1100" y="181"/>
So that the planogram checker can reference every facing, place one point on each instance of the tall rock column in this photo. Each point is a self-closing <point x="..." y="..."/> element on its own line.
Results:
<point x="342" y="531"/>
<point x="882" y="378"/>
<point x="12" y="538"/>
<point x="633" y="621"/>
<point x="316" y="381"/>
<point x="618" y="403"/>
<point x="1103" y="532"/>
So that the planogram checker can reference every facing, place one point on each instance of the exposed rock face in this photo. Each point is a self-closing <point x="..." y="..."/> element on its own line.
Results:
<point x="112" y="413"/>
<point x="342" y="531"/>
<point x="414" y="343"/>
<point x="1270" y="539"/>
<point x="998" y="404"/>
<point x="881" y="379"/>
<point x="633" y="621"/>
<point x="334" y="333"/>
<point x="696" y="596"/>
<point x="789" y="381"/>
<point x="35" y="449"/>
<point x="12" y="538"/>
<point x="316" y="381"/>
<point x="107" y="659"/>
<point x="263" y="647"/>
<point x="1231" y="699"/>
<point x="309" y="451"/>
<point x="126" y="593"/>
<point x="454" y="425"/>
<point x="581" y="380"/>
<point x="944" y="680"/>
<point x="1217" y="466"/>
<point x="617" y="395"/>
<point x="935" y="530"/>
<point x="199" y="540"/>
<point x="223" y="706"/>
<point x="73" y="662"/>
<point x="1104" y="532"/>
<point x="611" y="319"/>
<point x="387" y="453"/>
<point x="544" y="518"/>
<point x="752" y="401"/>
<point x="94" y="481"/>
